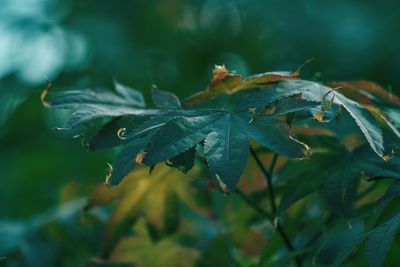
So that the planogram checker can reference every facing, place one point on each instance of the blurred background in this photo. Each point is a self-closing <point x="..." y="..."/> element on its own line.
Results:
<point x="173" y="44"/>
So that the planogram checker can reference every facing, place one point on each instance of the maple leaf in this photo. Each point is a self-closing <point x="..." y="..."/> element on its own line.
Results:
<point x="246" y="109"/>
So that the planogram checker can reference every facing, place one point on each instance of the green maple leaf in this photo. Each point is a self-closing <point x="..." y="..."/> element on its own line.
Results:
<point x="313" y="91"/>
<point x="93" y="104"/>
<point x="226" y="140"/>
<point x="249" y="109"/>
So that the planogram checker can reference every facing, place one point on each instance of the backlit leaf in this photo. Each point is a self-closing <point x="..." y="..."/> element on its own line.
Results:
<point x="92" y="104"/>
<point x="130" y="94"/>
<point x="147" y="195"/>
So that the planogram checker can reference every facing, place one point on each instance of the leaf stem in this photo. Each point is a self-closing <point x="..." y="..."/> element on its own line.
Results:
<point x="254" y="205"/>
<point x="268" y="175"/>
<point x="272" y="220"/>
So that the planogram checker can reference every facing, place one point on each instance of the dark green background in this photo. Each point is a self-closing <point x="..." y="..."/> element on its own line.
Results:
<point x="172" y="44"/>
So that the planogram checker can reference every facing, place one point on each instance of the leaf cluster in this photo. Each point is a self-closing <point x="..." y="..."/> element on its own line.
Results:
<point x="340" y="147"/>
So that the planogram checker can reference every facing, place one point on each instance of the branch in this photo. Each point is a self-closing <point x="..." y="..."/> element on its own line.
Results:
<point x="272" y="220"/>
<point x="254" y="205"/>
<point x="268" y="175"/>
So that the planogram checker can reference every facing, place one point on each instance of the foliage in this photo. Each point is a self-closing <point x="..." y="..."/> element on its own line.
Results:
<point x="75" y="44"/>
<point x="349" y="127"/>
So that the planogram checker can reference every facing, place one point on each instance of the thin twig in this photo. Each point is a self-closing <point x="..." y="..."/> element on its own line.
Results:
<point x="254" y="205"/>
<point x="272" y="220"/>
<point x="268" y="175"/>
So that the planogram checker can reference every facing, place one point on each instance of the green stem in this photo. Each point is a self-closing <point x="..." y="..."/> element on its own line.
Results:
<point x="269" y="180"/>
<point x="272" y="220"/>
<point x="268" y="177"/>
<point x="254" y="205"/>
<point x="367" y="190"/>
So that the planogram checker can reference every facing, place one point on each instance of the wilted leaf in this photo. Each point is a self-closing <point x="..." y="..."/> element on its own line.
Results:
<point x="225" y="82"/>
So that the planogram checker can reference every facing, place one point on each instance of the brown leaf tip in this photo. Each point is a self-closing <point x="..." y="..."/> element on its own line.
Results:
<point x="108" y="176"/>
<point x="389" y="156"/>
<point x="44" y="94"/>
<point x="219" y="72"/>
<point x="297" y="72"/>
<point x="222" y="185"/>
<point x="139" y="157"/>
